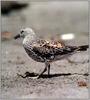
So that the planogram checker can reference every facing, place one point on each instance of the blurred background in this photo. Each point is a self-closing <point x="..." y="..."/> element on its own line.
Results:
<point x="46" y="18"/>
<point x="66" y="20"/>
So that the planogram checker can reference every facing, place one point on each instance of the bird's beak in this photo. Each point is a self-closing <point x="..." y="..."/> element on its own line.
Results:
<point x="17" y="36"/>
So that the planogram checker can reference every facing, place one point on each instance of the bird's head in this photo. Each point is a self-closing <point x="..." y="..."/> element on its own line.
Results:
<point x="25" y="32"/>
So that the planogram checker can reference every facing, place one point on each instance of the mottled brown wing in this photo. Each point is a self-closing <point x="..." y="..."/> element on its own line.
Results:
<point x="49" y="49"/>
<point x="42" y="48"/>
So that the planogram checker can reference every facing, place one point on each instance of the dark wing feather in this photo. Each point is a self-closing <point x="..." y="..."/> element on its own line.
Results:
<point x="50" y="50"/>
<point x="43" y="51"/>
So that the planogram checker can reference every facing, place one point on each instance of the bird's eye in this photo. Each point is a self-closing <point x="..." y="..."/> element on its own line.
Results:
<point x="22" y="31"/>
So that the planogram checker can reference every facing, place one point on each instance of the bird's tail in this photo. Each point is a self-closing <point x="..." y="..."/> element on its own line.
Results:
<point x="83" y="48"/>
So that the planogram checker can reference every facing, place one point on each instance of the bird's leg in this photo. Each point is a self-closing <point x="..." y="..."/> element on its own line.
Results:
<point x="42" y="72"/>
<point x="45" y="69"/>
<point x="48" y="69"/>
<point x="37" y="77"/>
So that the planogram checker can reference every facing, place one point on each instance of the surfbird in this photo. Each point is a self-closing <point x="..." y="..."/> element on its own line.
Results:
<point x="45" y="51"/>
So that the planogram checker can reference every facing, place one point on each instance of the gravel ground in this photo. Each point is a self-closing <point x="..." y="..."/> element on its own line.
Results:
<point x="63" y="83"/>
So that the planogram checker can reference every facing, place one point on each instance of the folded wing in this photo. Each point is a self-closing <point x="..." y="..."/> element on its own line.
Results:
<point x="50" y="49"/>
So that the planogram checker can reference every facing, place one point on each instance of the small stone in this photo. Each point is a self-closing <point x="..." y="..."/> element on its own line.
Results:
<point x="9" y="61"/>
<point x="6" y="35"/>
<point x="82" y="83"/>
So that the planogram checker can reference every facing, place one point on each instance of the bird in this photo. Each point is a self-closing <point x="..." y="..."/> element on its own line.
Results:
<point x="46" y="51"/>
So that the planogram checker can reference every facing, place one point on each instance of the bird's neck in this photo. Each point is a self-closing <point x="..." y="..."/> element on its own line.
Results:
<point x="29" y="39"/>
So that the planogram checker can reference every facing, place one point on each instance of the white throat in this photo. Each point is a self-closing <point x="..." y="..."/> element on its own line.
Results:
<point x="29" y="39"/>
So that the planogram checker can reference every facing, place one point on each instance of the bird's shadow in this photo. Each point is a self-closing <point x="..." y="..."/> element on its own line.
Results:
<point x="28" y="74"/>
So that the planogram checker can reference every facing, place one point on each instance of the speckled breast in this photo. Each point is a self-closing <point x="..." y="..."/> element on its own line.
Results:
<point x="34" y="56"/>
